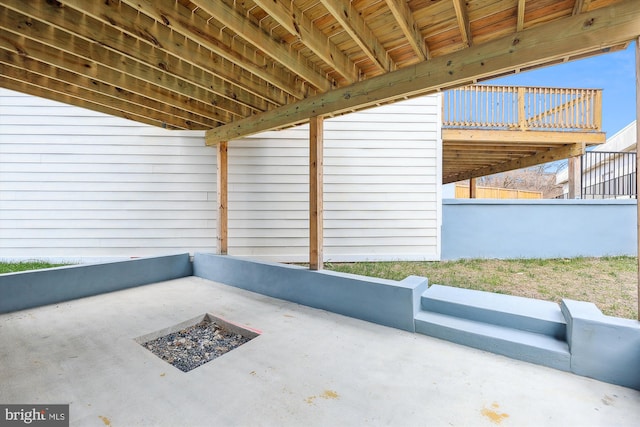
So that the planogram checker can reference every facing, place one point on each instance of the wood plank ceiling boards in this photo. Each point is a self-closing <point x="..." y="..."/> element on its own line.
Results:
<point x="238" y="67"/>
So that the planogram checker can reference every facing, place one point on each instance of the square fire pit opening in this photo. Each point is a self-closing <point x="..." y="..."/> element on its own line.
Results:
<point x="195" y="342"/>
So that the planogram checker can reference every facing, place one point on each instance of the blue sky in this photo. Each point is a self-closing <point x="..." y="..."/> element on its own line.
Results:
<point x="614" y="72"/>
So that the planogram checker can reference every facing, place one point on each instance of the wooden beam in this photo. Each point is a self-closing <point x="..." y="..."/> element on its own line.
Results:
<point x="357" y="28"/>
<point x="462" y="16"/>
<point x="297" y="23"/>
<point x="590" y="32"/>
<point x="478" y="136"/>
<point x="316" y="144"/>
<point x="523" y="162"/>
<point x="406" y="22"/>
<point x="245" y="28"/>
<point x="222" y="221"/>
<point x="521" y="10"/>
<point x="192" y="26"/>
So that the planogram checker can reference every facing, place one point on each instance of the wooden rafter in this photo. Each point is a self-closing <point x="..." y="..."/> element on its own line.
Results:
<point x="462" y="16"/>
<point x="241" y="25"/>
<point x="590" y="32"/>
<point x="357" y="28"/>
<point x="406" y="22"/>
<point x="296" y="23"/>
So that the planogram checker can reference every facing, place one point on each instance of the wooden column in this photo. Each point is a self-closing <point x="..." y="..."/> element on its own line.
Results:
<point x="637" y="158"/>
<point x="473" y="188"/>
<point x="316" y="144"/>
<point x="223" y="219"/>
<point x="575" y="178"/>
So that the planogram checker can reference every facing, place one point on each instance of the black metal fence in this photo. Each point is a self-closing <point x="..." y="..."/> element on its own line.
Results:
<point x="608" y="175"/>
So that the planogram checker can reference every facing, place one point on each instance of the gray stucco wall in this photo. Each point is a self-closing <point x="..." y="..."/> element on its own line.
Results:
<point x="387" y="302"/>
<point x="537" y="228"/>
<point x="40" y="287"/>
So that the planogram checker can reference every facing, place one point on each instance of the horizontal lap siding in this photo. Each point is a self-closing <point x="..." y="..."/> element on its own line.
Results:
<point x="81" y="186"/>
<point x="381" y="183"/>
<point x="381" y="188"/>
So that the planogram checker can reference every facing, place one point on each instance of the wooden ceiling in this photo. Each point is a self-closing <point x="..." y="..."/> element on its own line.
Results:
<point x="240" y="67"/>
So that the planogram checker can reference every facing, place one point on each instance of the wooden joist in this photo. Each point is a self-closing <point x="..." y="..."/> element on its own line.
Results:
<point x="571" y="36"/>
<point x="462" y="17"/>
<point x="297" y="23"/>
<point x="551" y="155"/>
<point x="357" y="28"/>
<point x="229" y="17"/>
<point x="184" y="21"/>
<point x="404" y="18"/>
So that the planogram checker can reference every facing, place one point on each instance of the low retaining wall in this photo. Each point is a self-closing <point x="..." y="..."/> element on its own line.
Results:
<point x="538" y="228"/>
<point x="602" y="347"/>
<point x="35" y="288"/>
<point x="386" y="302"/>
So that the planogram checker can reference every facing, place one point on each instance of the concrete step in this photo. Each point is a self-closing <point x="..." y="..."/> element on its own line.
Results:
<point x="526" y="314"/>
<point x="517" y="344"/>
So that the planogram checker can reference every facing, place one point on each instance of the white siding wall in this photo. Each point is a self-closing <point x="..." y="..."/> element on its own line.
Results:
<point x="381" y="181"/>
<point x="81" y="186"/>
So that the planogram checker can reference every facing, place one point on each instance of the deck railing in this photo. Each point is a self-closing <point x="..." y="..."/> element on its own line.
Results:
<point x="523" y="108"/>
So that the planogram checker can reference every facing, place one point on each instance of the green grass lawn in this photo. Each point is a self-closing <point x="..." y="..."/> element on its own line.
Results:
<point x="11" y="267"/>
<point x="608" y="282"/>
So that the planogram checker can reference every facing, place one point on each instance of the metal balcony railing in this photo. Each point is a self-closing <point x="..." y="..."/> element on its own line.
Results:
<point x="523" y="108"/>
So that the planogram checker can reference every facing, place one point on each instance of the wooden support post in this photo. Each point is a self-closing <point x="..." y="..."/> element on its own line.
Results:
<point x="316" y="144"/>
<point x="222" y="221"/>
<point x="575" y="178"/>
<point x="637" y="157"/>
<point x="473" y="188"/>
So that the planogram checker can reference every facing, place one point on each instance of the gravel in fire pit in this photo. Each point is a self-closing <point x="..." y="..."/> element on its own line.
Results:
<point x="195" y="345"/>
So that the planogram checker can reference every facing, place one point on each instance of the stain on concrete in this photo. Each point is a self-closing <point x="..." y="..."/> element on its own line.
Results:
<point x="327" y="394"/>
<point x="493" y="415"/>
<point x="105" y="420"/>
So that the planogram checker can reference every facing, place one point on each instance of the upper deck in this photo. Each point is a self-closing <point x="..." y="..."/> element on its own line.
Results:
<point x="490" y="129"/>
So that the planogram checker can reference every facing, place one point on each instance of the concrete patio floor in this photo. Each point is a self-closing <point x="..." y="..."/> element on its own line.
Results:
<point x="308" y="367"/>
